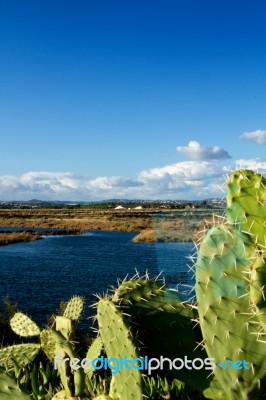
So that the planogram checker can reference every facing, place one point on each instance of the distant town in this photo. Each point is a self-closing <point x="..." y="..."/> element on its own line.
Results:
<point x="117" y="204"/>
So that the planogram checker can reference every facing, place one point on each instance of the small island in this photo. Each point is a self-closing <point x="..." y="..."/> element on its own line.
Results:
<point x="16" y="237"/>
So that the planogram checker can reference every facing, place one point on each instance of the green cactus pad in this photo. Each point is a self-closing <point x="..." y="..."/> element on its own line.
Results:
<point x="62" y="395"/>
<point x="75" y="381"/>
<point x="146" y="294"/>
<point x="22" y="325"/>
<point x="228" y="324"/>
<point x="74" y="308"/>
<point x="258" y="289"/>
<point x="116" y="335"/>
<point x="9" y="389"/>
<point x="65" y="326"/>
<point x="21" y="354"/>
<point x="246" y="204"/>
<point x="215" y="392"/>
<point x="48" y="344"/>
<point x="165" y="324"/>
<point x="94" y="351"/>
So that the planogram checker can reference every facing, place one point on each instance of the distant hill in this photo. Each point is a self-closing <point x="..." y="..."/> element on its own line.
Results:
<point x="113" y="203"/>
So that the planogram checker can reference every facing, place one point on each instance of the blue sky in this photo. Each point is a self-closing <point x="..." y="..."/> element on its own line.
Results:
<point x="131" y="99"/>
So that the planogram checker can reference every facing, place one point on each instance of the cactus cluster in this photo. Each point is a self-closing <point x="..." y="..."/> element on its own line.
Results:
<point x="51" y="341"/>
<point x="228" y="321"/>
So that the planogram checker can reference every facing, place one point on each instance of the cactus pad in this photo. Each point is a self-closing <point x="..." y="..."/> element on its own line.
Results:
<point x="94" y="351"/>
<point x="9" y="389"/>
<point x="258" y="289"/>
<point x="126" y="384"/>
<point x="22" y="325"/>
<point x="246" y="204"/>
<point x="48" y="344"/>
<point x="228" y="324"/>
<point x="146" y="294"/>
<point x="74" y="308"/>
<point x="65" y="326"/>
<point x="164" y="323"/>
<point x="21" y="354"/>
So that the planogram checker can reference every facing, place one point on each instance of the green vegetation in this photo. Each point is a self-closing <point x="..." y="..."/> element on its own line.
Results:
<point x="143" y="318"/>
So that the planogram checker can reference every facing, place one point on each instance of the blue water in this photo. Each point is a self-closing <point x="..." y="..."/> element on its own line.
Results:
<point x="38" y="275"/>
<point x="19" y="229"/>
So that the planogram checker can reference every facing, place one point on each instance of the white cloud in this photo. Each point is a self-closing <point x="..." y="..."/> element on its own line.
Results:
<point x="258" y="136"/>
<point x="104" y="183"/>
<point x="189" y="179"/>
<point x="182" y="180"/>
<point x="65" y="186"/>
<point x="194" y="151"/>
<point x="256" y="165"/>
<point x="64" y="181"/>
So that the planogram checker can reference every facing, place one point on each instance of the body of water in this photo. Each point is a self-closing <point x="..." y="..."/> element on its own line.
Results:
<point x="38" y="275"/>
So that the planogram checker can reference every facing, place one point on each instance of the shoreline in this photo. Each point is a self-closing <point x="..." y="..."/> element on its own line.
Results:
<point x="150" y="226"/>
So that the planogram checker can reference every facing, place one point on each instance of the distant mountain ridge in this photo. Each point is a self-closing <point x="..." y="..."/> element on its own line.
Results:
<point x="37" y="201"/>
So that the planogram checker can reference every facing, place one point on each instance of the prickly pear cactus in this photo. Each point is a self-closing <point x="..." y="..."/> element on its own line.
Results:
<point x="62" y="395"/>
<point x="74" y="308"/>
<point x="94" y="351"/>
<point x="20" y="354"/>
<point x="48" y="344"/>
<point x="246" y="204"/>
<point x="74" y="383"/>
<point x="9" y="389"/>
<point x="164" y="324"/>
<point x="228" y="323"/>
<point x="146" y="294"/>
<point x="22" y="325"/>
<point x="258" y="290"/>
<point x="116" y="335"/>
<point x="65" y="326"/>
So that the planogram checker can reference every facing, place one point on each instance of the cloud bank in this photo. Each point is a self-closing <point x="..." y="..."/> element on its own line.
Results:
<point x="258" y="136"/>
<point x="177" y="181"/>
<point x="200" y="177"/>
<point x="64" y="186"/>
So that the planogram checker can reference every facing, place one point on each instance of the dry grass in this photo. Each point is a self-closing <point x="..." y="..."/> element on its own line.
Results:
<point x="15" y="237"/>
<point x="147" y="235"/>
<point x="77" y="219"/>
<point x="150" y="225"/>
